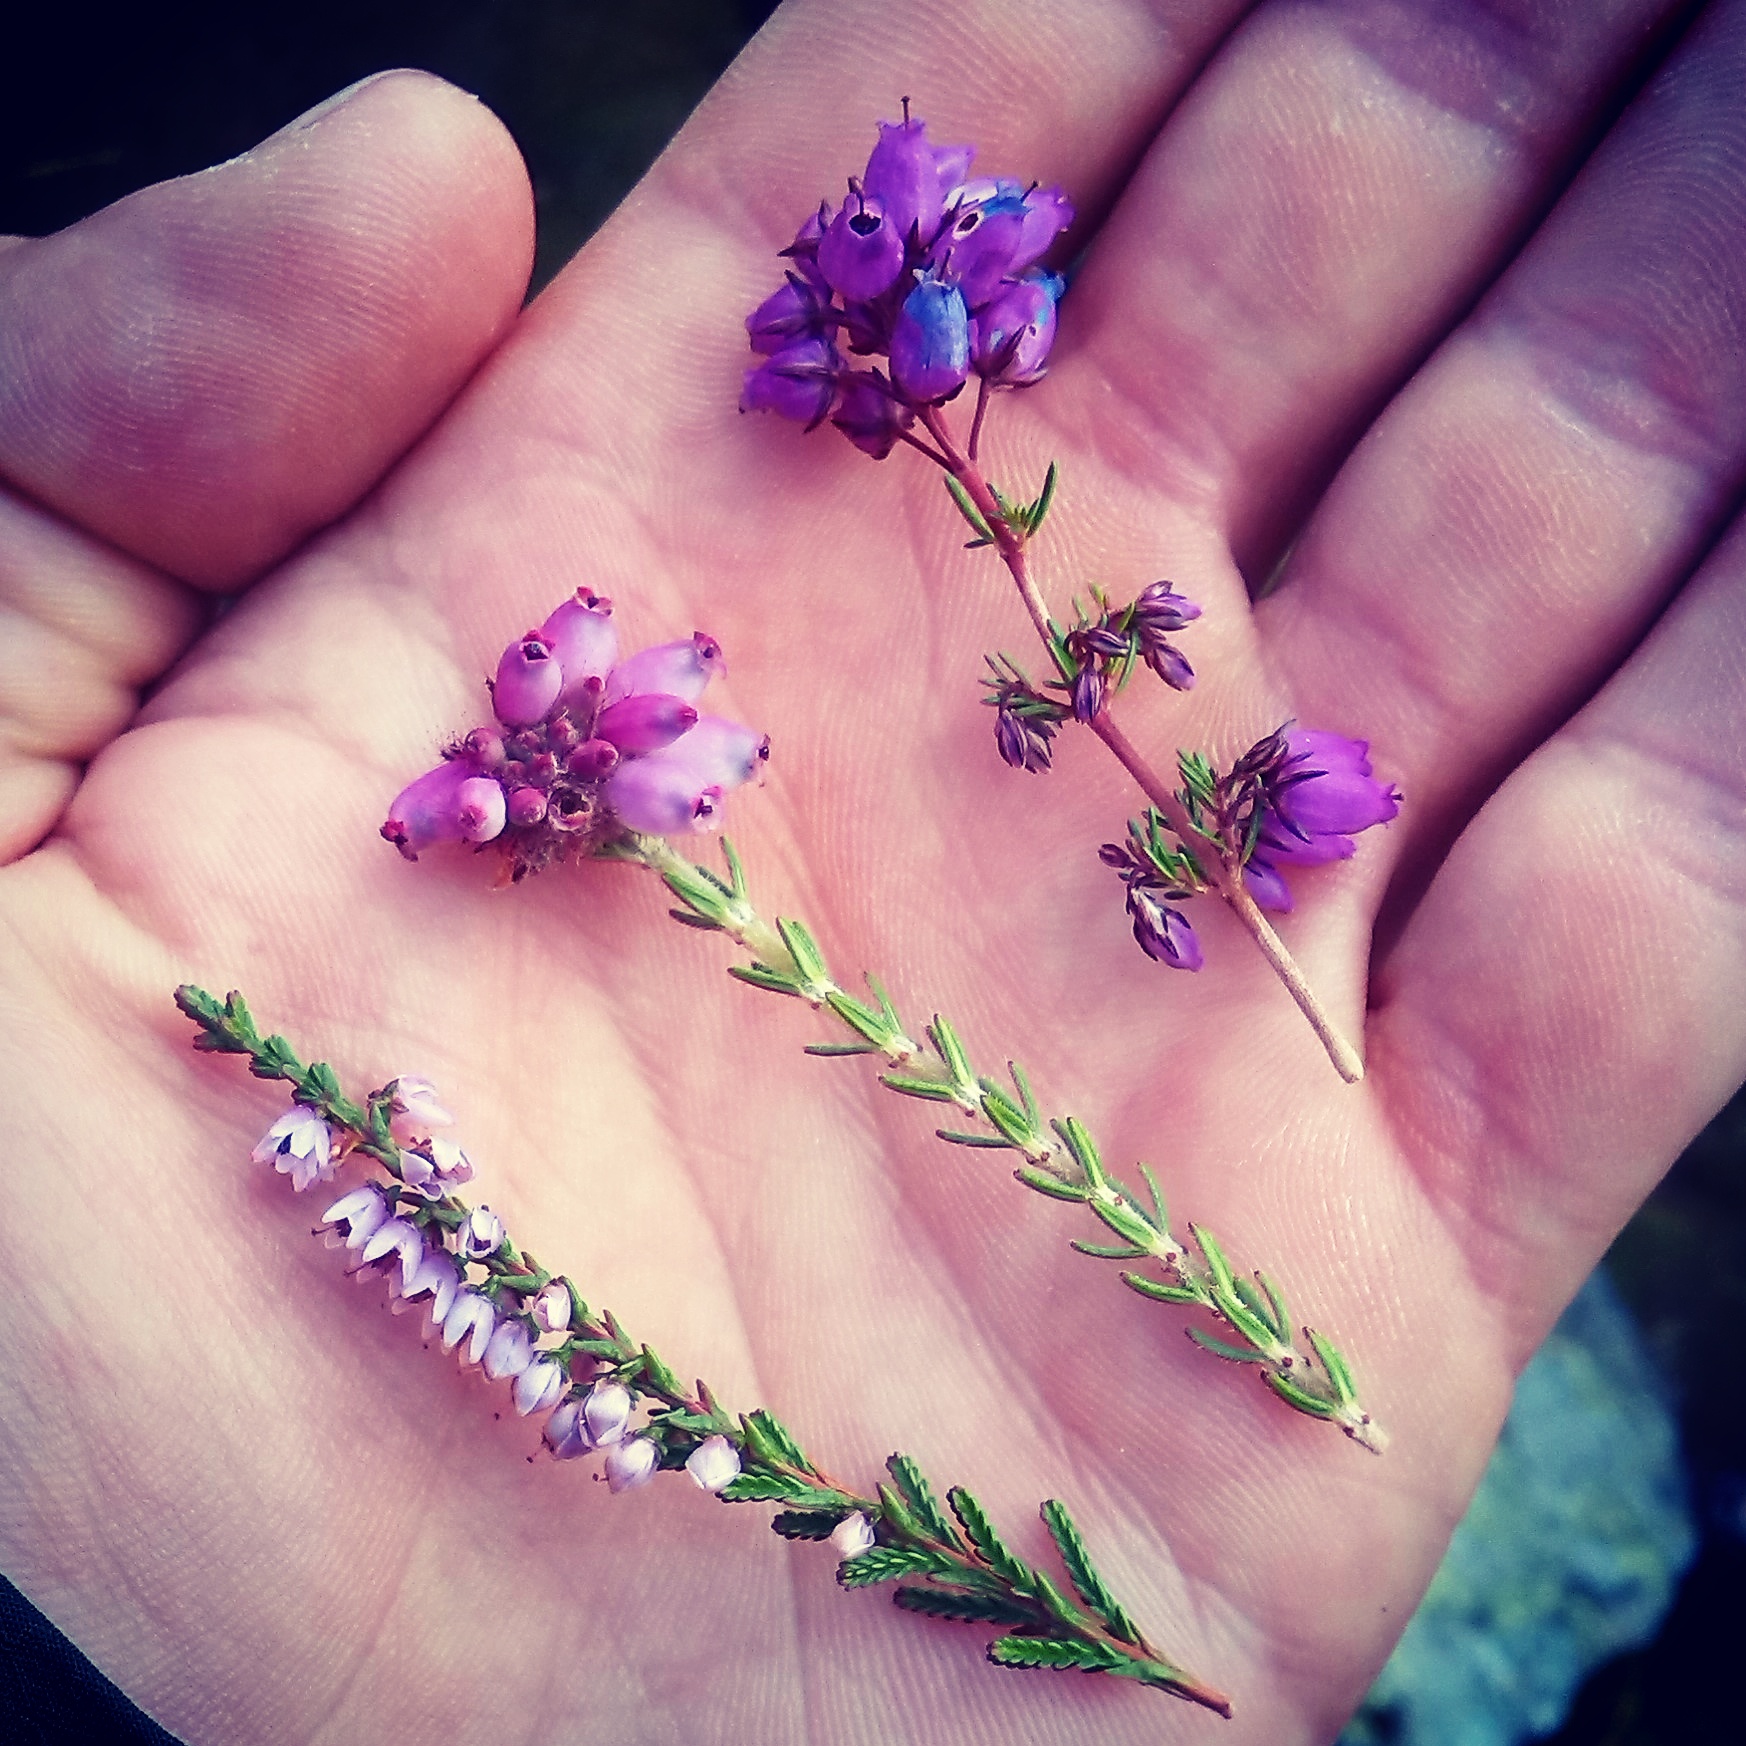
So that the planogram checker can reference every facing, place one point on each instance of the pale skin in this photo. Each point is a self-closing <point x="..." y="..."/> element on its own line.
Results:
<point x="237" y="1483"/>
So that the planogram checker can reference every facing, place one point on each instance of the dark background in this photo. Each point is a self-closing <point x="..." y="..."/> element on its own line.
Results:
<point x="93" y="106"/>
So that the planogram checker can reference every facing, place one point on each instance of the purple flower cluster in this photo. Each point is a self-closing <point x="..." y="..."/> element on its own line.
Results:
<point x="584" y="746"/>
<point x="936" y="274"/>
<point x="1318" y="792"/>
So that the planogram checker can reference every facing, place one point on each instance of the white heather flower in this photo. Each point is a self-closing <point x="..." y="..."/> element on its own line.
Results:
<point x="396" y="1237"/>
<point x="416" y="1170"/>
<point x="414" y="1110"/>
<point x="299" y="1145"/>
<point x="453" y="1165"/>
<point x="630" y="1464"/>
<point x="509" y="1353"/>
<point x="852" y="1536"/>
<point x="481" y="1235"/>
<point x="470" y="1318"/>
<point x="606" y="1410"/>
<point x="714" y="1464"/>
<point x="565" y="1434"/>
<point x="551" y="1309"/>
<point x="360" y="1212"/>
<point x="539" y="1386"/>
<point x="438" y="1275"/>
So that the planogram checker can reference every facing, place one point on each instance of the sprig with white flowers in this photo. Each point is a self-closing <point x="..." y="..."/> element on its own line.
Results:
<point x="1058" y="1157"/>
<point x="495" y="1303"/>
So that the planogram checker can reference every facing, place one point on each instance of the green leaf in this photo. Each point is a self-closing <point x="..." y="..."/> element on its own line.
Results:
<point x="886" y="1564"/>
<point x="1083" y="1574"/>
<point x="1053" y="1186"/>
<point x="841" y="1049"/>
<point x="1281" y="1317"/>
<point x="776" y="1441"/>
<point x="910" y="1086"/>
<point x="1038" y="511"/>
<point x="1085" y="1153"/>
<point x="1217" y="1265"/>
<point x="947" y="1603"/>
<point x="736" y="873"/>
<point x="913" y="1483"/>
<point x="863" y="1020"/>
<point x="1158" y="1289"/>
<point x="945" y="1039"/>
<point x="762" y="976"/>
<point x="1022" y="1081"/>
<point x="991" y="1142"/>
<point x="1300" y="1398"/>
<point x="803" y="949"/>
<point x="969" y="511"/>
<point x="691" y="920"/>
<point x="805" y="1524"/>
<point x="1161" y="1213"/>
<point x="1015" y="1127"/>
<point x="1108" y="1251"/>
<point x="977" y="1526"/>
<point x="753" y="1487"/>
<point x="661" y="1380"/>
<point x="1220" y="1349"/>
<point x="1127" y="1221"/>
<point x="1050" y="1652"/>
<point x="1345" y="1389"/>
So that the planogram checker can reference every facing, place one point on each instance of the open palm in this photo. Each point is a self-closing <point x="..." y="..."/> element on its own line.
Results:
<point x="236" y="1482"/>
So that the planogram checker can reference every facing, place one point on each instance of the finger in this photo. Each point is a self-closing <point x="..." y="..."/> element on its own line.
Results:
<point x="82" y="627"/>
<point x="1563" y="1012"/>
<point x="207" y="371"/>
<point x="1518" y="517"/>
<point x="1337" y="187"/>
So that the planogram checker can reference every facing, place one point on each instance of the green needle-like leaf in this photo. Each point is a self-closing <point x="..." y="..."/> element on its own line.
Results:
<point x="1053" y="1186"/>
<point x="842" y="1049"/>
<point x="1345" y="1390"/>
<point x="805" y="1524"/>
<point x="910" y="1086"/>
<point x="1050" y="1652"/>
<point x="1108" y="1251"/>
<point x="945" y="1603"/>
<point x="1219" y="1349"/>
<point x="1300" y="1398"/>
<point x="969" y="511"/>
<point x="762" y="976"/>
<point x="986" y="1541"/>
<point x="990" y="1142"/>
<point x="1083" y="1574"/>
<point x="913" y="1483"/>
<point x="886" y="1564"/>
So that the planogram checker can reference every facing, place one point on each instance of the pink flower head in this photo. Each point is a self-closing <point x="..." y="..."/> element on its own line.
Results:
<point x="299" y="1145"/>
<point x="714" y="1464"/>
<point x="852" y="1536"/>
<point x="630" y="1464"/>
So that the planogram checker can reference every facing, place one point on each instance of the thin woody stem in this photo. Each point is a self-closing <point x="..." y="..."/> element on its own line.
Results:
<point x="1347" y="1062"/>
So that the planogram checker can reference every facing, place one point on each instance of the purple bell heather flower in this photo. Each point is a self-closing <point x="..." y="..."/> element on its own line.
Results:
<point x="870" y="416"/>
<point x="680" y="669"/>
<point x="1023" y="741"/>
<point x="413" y="1110"/>
<point x="1012" y="336"/>
<point x="481" y="1235"/>
<point x="662" y="798"/>
<point x="1048" y="212"/>
<point x="527" y="808"/>
<point x="631" y="1464"/>
<point x="861" y="254"/>
<point x="723" y="753"/>
<point x="508" y="1352"/>
<point x="472" y="1319"/>
<point x="439" y="1276"/>
<point x="606" y="1411"/>
<point x="360" y="1211"/>
<point x="1322" y="795"/>
<point x="930" y="343"/>
<point x="1160" y="609"/>
<point x="645" y="722"/>
<point x="852" y="1536"/>
<point x="979" y="248"/>
<point x="481" y="810"/>
<point x="299" y="1145"/>
<point x="799" y="382"/>
<point x="1169" y="663"/>
<point x="903" y="175"/>
<point x="426" y="810"/>
<point x="803" y="251"/>
<point x="1163" y="933"/>
<point x="1089" y="689"/>
<point x="953" y="165"/>
<point x="563" y="1432"/>
<point x="528" y="681"/>
<point x="1266" y="884"/>
<point x="539" y="1386"/>
<point x="551" y="1308"/>
<point x="714" y="1464"/>
<point x="584" y="642"/>
<point x="795" y="312"/>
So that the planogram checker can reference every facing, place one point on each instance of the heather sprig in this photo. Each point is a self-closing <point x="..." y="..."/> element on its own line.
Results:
<point x="1058" y="1156"/>
<point x="941" y="277"/>
<point x="494" y="1303"/>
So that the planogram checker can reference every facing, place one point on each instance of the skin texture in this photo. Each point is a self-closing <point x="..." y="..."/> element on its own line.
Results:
<point x="1410" y="288"/>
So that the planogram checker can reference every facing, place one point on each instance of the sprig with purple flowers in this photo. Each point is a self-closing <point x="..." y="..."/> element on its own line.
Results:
<point x="1058" y="1157"/>
<point x="942" y="277"/>
<point x="601" y="1391"/>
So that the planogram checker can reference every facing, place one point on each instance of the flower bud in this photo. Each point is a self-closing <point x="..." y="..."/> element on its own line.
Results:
<point x="538" y="1386"/>
<point x="631" y="1464"/>
<point x="861" y="253"/>
<point x="852" y="1536"/>
<point x="681" y="669"/>
<point x="977" y="252"/>
<point x="413" y="1110"/>
<point x="930" y="343"/>
<point x="1011" y="337"/>
<point x="483" y="748"/>
<point x="661" y="797"/>
<point x="1162" y="933"/>
<point x="527" y="808"/>
<point x="1089" y="688"/>
<point x="424" y="812"/>
<point x="606" y="1410"/>
<point x="903" y="175"/>
<point x="795" y="312"/>
<point x="1161" y="609"/>
<point x="584" y="643"/>
<point x="1048" y="212"/>
<point x="1022" y="740"/>
<point x="714" y="1464"/>
<point x="720" y="753"/>
<point x="870" y="416"/>
<point x="563" y="1431"/>
<point x="1170" y="664"/>
<point x="481" y="1235"/>
<point x="551" y="1308"/>
<point x="646" y="722"/>
<point x="799" y="382"/>
<point x="527" y="683"/>
<point x="480" y="811"/>
<point x="509" y="1351"/>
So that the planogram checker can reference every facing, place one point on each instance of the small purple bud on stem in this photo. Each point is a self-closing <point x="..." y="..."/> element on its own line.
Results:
<point x="480" y="810"/>
<point x="528" y="680"/>
<point x="646" y="722"/>
<point x="527" y="808"/>
<point x="1162" y="933"/>
<point x="1089" y="688"/>
<point x="592" y="759"/>
<point x="606" y="1410"/>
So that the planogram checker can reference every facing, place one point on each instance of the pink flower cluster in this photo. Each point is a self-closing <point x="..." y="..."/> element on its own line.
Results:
<point x="584" y="747"/>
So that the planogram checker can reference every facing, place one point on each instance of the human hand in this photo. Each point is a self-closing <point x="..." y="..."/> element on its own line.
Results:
<point x="266" y="1515"/>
